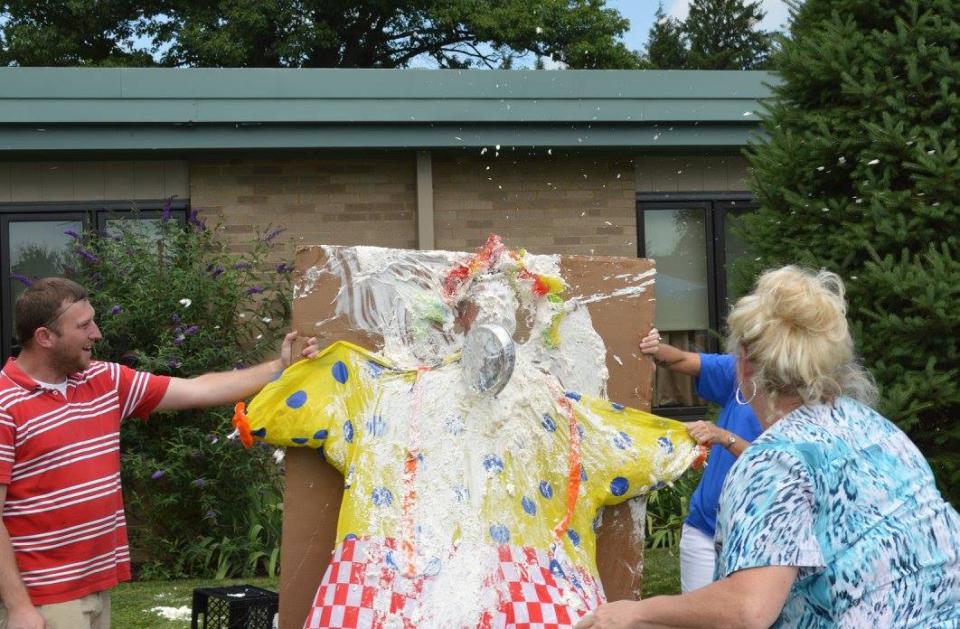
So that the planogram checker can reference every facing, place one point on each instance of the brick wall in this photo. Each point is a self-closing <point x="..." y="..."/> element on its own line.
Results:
<point x="338" y="201"/>
<point x="572" y="204"/>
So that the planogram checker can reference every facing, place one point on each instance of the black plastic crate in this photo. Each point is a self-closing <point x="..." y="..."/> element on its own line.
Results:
<point x="234" y="607"/>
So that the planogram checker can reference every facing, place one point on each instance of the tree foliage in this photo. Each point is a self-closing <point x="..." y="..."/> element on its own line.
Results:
<point x="314" y="33"/>
<point x="717" y="35"/>
<point x="860" y="174"/>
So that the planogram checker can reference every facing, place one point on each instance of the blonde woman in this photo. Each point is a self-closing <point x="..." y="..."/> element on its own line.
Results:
<point x="831" y="517"/>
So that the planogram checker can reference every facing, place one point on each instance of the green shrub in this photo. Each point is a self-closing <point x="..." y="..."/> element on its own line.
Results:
<point x="175" y="301"/>
<point x="858" y="174"/>
<point x="667" y="508"/>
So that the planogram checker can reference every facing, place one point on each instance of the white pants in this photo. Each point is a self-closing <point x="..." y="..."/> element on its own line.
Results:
<point x="697" y="558"/>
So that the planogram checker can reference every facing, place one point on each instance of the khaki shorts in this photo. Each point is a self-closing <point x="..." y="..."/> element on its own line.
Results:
<point x="90" y="612"/>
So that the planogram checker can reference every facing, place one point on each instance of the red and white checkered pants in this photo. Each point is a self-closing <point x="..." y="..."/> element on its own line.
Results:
<point x="534" y="590"/>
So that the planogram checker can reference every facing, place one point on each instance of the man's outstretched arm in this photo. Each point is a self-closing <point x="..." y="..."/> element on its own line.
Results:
<point x="217" y="389"/>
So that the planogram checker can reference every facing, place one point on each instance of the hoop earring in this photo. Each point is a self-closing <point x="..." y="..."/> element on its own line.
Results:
<point x="739" y="395"/>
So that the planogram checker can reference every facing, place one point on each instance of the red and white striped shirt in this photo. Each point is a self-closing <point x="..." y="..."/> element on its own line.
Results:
<point x="60" y="460"/>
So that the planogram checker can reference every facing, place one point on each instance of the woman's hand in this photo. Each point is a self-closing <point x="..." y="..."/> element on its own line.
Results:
<point x="706" y="433"/>
<point x="650" y="344"/>
<point x="621" y="614"/>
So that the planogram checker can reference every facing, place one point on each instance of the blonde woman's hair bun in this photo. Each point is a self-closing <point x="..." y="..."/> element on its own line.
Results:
<point x="793" y="327"/>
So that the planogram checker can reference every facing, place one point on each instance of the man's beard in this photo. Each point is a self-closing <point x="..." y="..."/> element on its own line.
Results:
<point x="68" y="361"/>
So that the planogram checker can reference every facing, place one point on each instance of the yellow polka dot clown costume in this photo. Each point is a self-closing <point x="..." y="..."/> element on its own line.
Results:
<point x="460" y="508"/>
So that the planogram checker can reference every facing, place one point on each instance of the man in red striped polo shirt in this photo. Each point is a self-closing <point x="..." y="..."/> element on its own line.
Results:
<point x="63" y="540"/>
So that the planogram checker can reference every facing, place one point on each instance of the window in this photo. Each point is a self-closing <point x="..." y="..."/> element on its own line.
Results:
<point x="694" y="242"/>
<point x="35" y="242"/>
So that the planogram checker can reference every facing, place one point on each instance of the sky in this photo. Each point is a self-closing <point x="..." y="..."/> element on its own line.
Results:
<point x="641" y="15"/>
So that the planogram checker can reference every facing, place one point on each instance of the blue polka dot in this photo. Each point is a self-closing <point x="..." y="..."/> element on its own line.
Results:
<point x="260" y="432"/>
<point x="492" y="463"/>
<point x="546" y="490"/>
<point x="432" y="568"/>
<point x="376" y="426"/>
<point x="454" y="424"/>
<point x="348" y="431"/>
<point x="619" y="486"/>
<point x="390" y="561"/>
<point x="548" y="424"/>
<point x="622" y="440"/>
<point x="616" y="406"/>
<point x="555" y="568"/>
<point x="573" y="395"/>
<point x="349" y="536"/>
<point x="297" y="399"/>
<point x="666" y="444"/>
<point x="583" y="474"/>
<point x="374" y="369"/>
<point x="340" y="372"/>
<point x="500" y="533"/>
<point x="574" y="537"/>
<point x="320" y="434"/>
<point x="299" y="440"/>
<point x="529" y="505"/>
<point x="382" y="497"/>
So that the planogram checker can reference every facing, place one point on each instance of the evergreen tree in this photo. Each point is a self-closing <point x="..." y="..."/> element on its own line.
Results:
<point x="723" y="35"/>
<point x="666" y="44"/>
<point x="860" y="174"/>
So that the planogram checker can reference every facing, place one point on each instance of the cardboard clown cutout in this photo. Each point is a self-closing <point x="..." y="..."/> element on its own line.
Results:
<point x="477" y="448"/>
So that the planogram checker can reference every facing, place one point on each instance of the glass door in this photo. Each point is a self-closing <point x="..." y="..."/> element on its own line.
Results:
<point x="33" y="246"/>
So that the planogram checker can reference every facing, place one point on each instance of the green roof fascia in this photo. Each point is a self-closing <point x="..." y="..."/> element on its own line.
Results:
<point x="89" y="138"/>
<point x="47" y="96"/>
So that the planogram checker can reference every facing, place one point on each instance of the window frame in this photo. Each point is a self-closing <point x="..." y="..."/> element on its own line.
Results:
<point x="89" y="213"/>
<point x="715" y="206"/>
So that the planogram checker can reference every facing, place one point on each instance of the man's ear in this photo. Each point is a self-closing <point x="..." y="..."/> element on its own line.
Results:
<point x="44" y="337"/>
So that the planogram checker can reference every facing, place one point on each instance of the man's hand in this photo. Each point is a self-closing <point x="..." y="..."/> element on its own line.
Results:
<point x="650" y="344"/>
<point x="25" y="617"/>
<point x="286" y="349"/>
<point x="618" y="615"/>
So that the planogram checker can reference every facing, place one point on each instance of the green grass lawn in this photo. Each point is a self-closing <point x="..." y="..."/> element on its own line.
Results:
<point x="133" y="602"/>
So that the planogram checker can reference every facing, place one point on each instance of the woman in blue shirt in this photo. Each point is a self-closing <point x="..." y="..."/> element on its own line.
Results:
<point x="736" y="427"/>
<point x="831" y="518"/>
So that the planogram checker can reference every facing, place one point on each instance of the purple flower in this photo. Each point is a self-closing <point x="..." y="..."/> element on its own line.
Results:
<point x="23" y="279"/>
<point x="165" y="214"/>
<point x="273" y="234"/>
<point x="242" y="266"/>
<point x="198" y="482"/>
<point x="217" y="271"/>
<point x="115" y="310"/>
<point x="211" y="514"/>
<point x="283" y="267"/>
<point x="158" y="475"/>
<point x="191" y="330"/>
<point x="175" y="318"/>
<point x="173" y="363"/>
<point x="212" y="438"/>
<point x="178" y="340"/>
<point x="193" y="218"/>
<point x="72" y="233"/>
<point x="254" y="290"/>
<point x="86" y="255"/>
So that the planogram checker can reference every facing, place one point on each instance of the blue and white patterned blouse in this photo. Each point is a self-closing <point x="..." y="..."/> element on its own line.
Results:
<point x="843" y="494"/>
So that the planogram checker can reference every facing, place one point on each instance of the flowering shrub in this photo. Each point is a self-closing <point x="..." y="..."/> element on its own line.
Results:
<point x="173" y="300"/>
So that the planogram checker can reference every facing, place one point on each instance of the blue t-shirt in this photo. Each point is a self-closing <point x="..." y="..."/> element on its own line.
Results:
<point x="718" y="383"/>
<point x="842" y="494"/>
